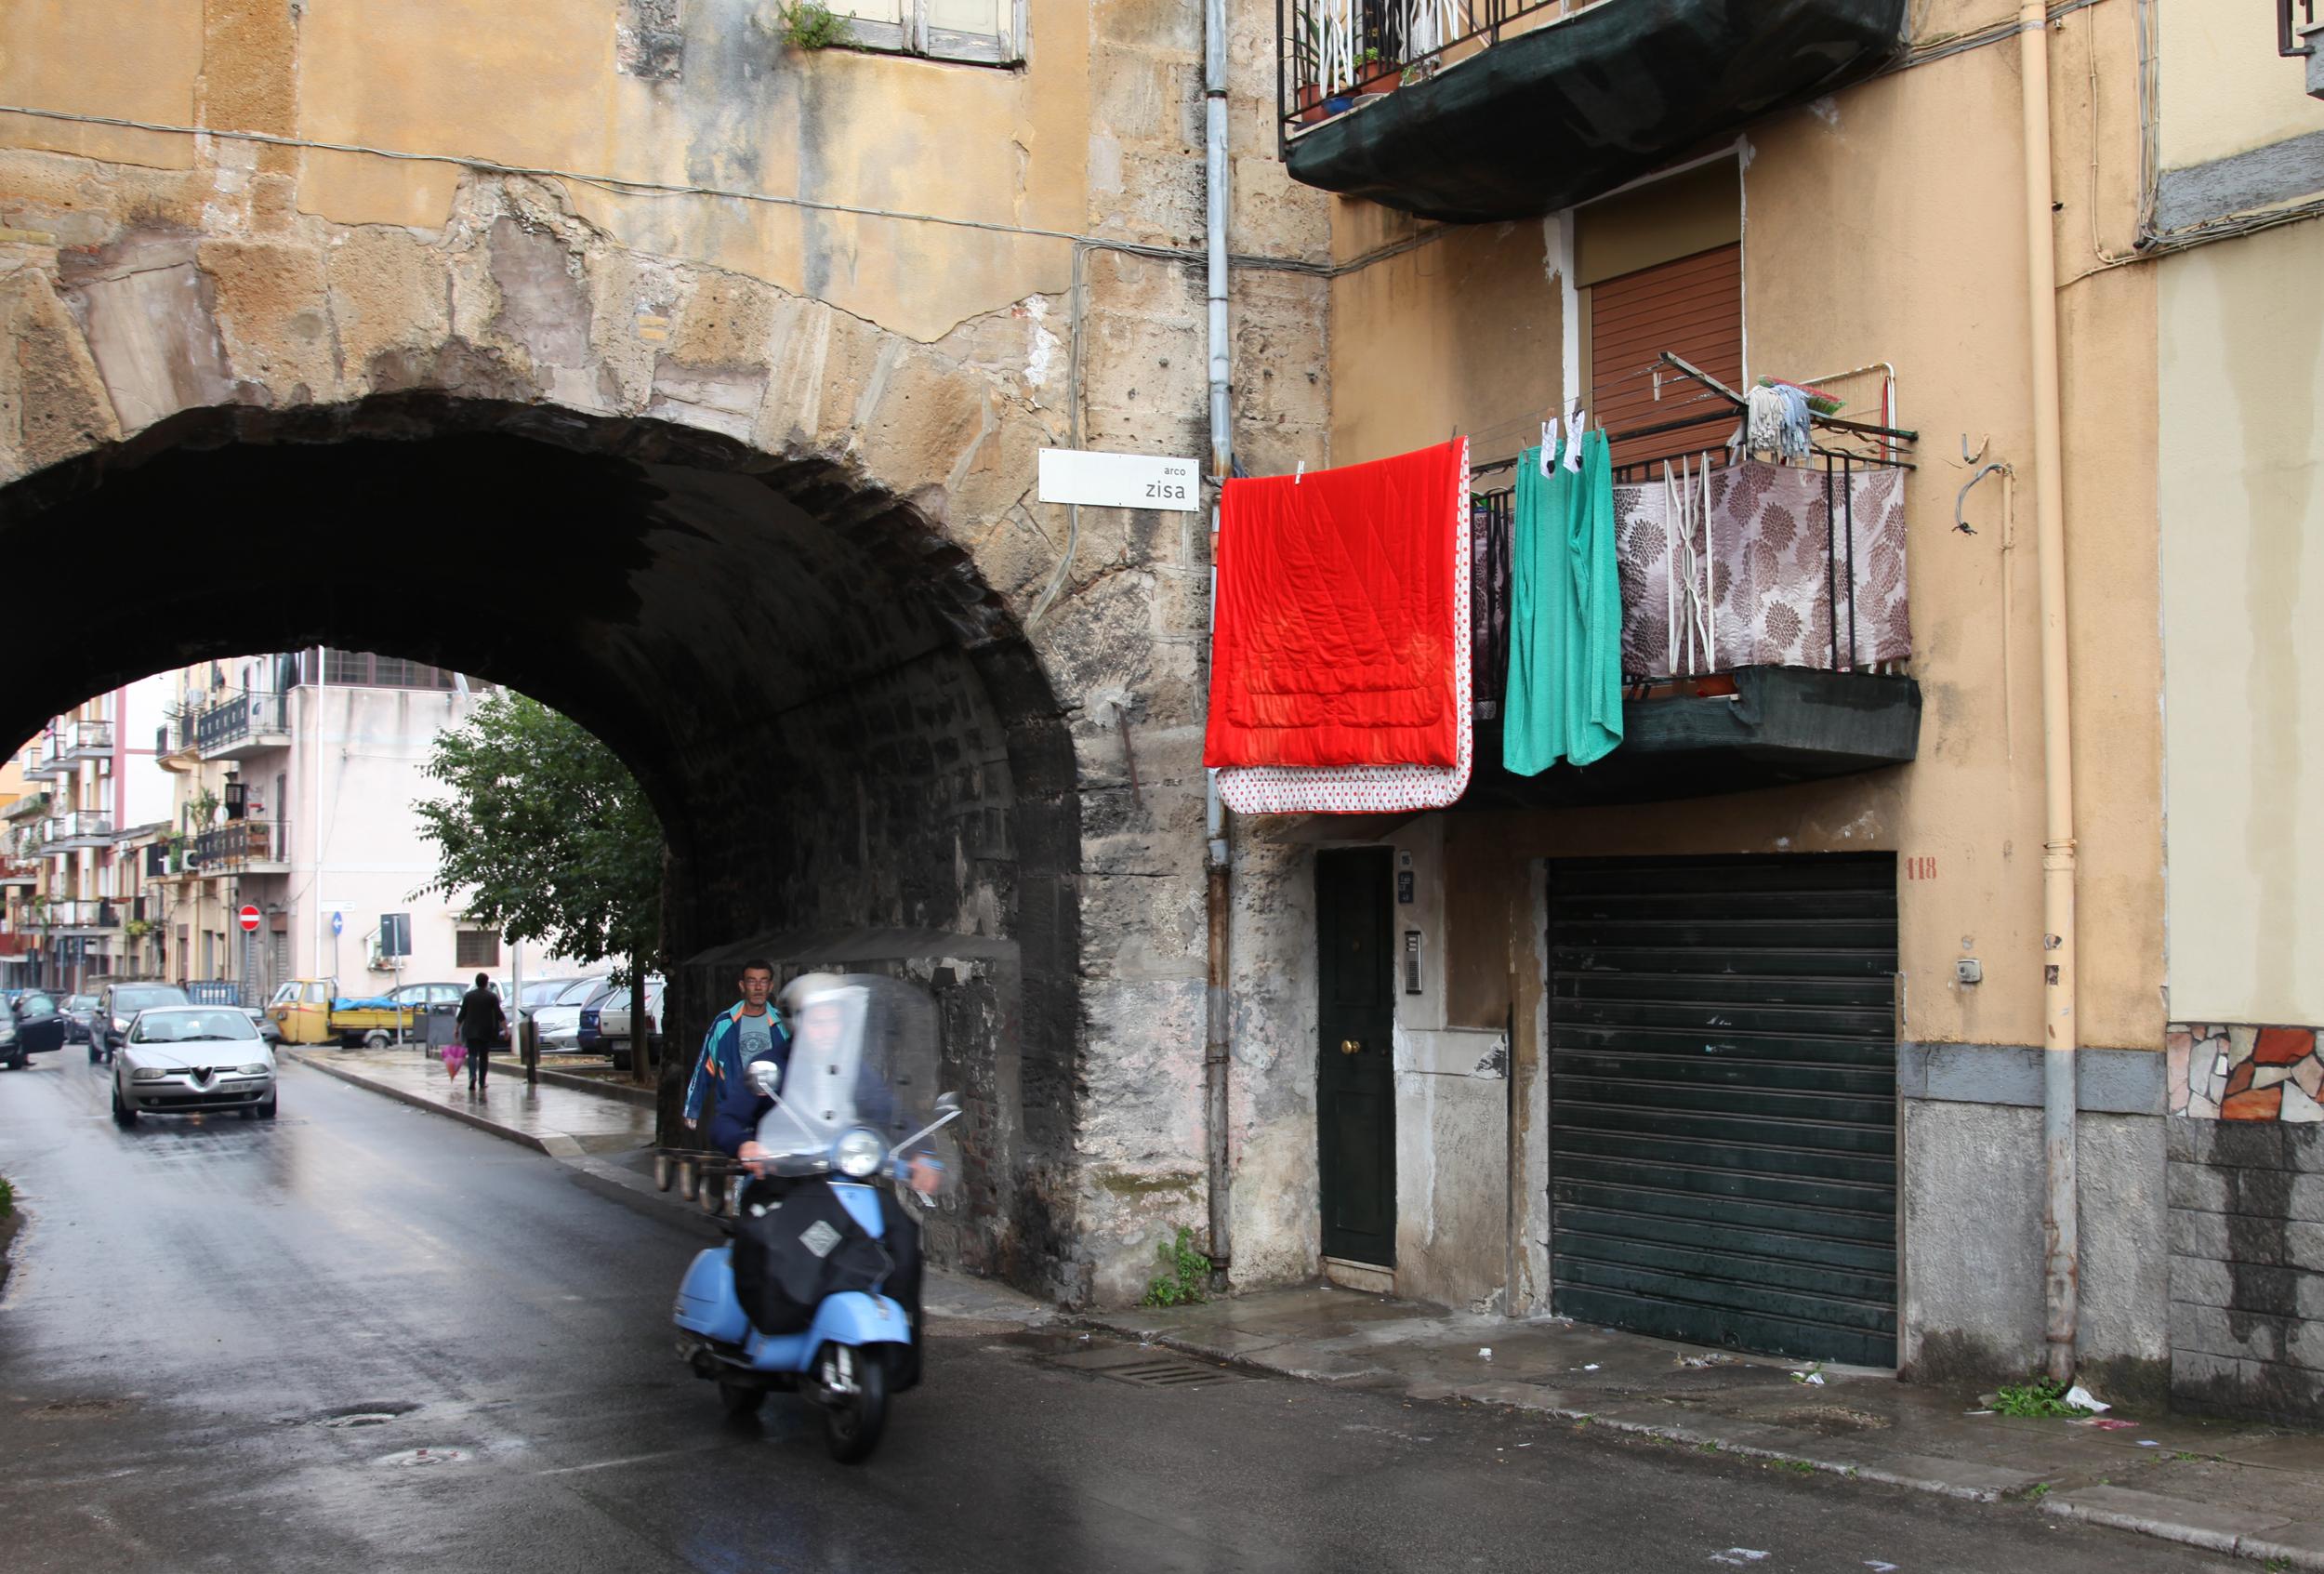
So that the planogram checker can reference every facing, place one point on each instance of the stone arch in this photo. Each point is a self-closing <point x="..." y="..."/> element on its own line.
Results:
<point x="776" y="556"/>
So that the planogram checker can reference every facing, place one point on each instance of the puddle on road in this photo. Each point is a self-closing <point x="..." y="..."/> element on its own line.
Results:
<point x="426" y="1456"/>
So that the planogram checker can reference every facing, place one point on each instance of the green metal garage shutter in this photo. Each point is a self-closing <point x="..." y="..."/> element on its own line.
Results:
<point x="1723" y="1101"/>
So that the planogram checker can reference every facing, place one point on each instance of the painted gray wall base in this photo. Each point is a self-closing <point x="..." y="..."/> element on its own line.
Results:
<point x="2280" y="172"/>
<point x="2247" y="1268"/>
<point x="1973" y="1305"/>
<point x="2109" y="1081"/>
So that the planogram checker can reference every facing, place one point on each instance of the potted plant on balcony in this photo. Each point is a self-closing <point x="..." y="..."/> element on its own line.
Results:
<point x="1377" y="74"/>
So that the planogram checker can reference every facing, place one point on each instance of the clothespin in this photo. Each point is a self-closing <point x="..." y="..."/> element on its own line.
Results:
<point x="1300" y="474"/>
<point x="1549" y="445"/>
<point x="1575" y="421"/>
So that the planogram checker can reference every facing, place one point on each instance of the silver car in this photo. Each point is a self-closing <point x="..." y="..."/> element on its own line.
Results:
<point x="181" y="1060"/>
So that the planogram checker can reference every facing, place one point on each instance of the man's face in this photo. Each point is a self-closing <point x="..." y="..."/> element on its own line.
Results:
<point x="756" y="981"/>
<point x="820" y="1025"/>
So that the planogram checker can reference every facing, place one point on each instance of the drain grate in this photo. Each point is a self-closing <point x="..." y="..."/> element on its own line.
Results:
<point x="1147" y="1367"/>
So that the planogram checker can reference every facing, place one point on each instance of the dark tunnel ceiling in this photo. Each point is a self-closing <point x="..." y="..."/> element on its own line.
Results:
<point x="672" y="610"/>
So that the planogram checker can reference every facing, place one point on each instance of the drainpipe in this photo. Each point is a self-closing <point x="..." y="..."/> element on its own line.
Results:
<point x="2059" y="1030"/>
<point x="1218" y="897"/>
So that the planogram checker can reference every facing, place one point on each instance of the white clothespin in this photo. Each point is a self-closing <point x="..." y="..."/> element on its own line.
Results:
<point x="1549" y="445"/>
<point x="1575" y="421"/>
<point x="1300" y="474"/>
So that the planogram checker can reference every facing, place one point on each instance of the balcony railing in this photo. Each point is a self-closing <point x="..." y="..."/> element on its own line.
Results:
<point x="77" y="828"/>
<point x="2294" y="19"/>
<point x="41" y="758"/>
<point x="85" y="740"/>
<point x="1479" y="110"/>
<point x="13" y="872"/>
<point x="240" y="721"/>
<point x="83" y="913"/>
<point x="238" y="844"/>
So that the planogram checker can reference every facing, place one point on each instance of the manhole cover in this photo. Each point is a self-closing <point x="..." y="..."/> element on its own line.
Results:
<point x="426" y="1456"/>
<point x="1147" y="1367"/>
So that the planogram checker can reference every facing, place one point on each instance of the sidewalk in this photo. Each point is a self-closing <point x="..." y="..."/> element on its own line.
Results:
<point x="565" y="1122"/>
<point x="2229" y="1487"/>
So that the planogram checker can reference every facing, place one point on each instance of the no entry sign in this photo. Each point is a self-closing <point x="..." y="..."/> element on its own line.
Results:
<point x="249" y="916"/>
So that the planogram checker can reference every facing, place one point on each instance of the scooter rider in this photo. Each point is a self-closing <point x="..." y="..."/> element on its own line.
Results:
<point x="817" y="1026"/>
<point x="742" y="1032"/>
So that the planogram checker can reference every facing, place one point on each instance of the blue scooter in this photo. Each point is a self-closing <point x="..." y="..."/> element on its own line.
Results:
<point x="848" y="1091"/>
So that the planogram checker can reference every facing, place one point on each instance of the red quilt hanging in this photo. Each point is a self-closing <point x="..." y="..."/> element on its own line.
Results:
<point x="1336" y="626"/>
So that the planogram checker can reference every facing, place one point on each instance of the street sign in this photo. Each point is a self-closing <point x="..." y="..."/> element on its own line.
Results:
<point x="395" y="934"/>
<point x="338" y="923"/>
<point x="1120" y="480"/>
<point x="249" y="918"/>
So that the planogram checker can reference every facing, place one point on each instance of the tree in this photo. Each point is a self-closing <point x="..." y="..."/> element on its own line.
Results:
<point x="549" y="838"/>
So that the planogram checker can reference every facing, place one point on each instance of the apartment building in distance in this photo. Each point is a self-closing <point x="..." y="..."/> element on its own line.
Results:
<point x="76" y="907"/>
<point x="296" y="773"/>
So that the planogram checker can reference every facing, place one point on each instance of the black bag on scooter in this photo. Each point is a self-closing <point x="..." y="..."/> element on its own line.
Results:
<point x="796" y="1243"/>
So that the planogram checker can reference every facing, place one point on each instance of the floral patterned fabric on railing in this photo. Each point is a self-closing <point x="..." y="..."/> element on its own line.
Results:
<point x="1768" y="553"/>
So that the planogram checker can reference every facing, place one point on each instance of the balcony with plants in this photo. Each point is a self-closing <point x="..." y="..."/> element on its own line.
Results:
<point x="1478" y="110"/>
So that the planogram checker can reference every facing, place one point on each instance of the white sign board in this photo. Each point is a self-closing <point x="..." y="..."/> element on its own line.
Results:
<point x="1120" y="480"/>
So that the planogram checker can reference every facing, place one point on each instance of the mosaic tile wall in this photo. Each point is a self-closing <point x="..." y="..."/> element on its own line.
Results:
<point x="2223" y="1072"/>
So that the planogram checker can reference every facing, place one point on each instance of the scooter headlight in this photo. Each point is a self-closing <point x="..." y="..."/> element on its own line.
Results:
<point x="858" y="1154"/>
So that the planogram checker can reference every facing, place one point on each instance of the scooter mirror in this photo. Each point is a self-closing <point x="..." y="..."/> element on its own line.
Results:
<point x="765" y="1077"/>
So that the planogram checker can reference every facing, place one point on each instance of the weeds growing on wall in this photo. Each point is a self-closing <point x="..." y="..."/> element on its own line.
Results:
<point x="1184" y="1270"/>
<point x="808" y="24"/>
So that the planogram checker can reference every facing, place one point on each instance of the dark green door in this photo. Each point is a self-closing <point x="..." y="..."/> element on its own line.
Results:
<point x="1356" y="1104"/>
<point x="1722" y="1102"/>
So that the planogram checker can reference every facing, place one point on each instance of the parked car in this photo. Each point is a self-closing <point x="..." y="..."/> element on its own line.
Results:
<point x="612" y="1027"/>
<point x="184" y="1060"/>
<point x="557" y="1022"/>
<point x="268" y="1029"/>
<point x="80" y="1015"/>
<point x="118" y="1007"/>
<point x="29" y="1025"/>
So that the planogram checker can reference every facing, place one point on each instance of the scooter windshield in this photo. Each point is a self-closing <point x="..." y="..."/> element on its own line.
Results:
<point x="864" y="1055"/>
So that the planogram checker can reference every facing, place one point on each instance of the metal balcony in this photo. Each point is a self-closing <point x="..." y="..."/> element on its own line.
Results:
<point x="83" y="917"/>
<point x="251" y="847"/>
<point x="85" y="740"/>
<point x="40" y="759"/>
<point x="248" y="723"/>
<point x="15" y="873"/>
<point x="2299" y="33"/>
<point x="67" y="832"/>
<point x="1478" y="110"/>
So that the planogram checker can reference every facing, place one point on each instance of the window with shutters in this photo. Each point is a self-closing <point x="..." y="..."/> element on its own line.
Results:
<point x="476" y="947"/>
<point x="1691" y="306"/>
<point x="985" y="32"/>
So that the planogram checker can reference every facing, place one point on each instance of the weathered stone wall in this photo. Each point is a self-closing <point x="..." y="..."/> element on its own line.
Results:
<point x="2247" y="1269"/>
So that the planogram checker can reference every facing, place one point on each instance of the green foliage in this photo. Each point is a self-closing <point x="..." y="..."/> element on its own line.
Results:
<point x="2038" y="1492"/>
<point x="1187" y="1270"/>
<point x="7" y="1197"/>
<point x="544" y="834"/>
<point x="808" y="24"/>
<point x="2035" y="1396"/>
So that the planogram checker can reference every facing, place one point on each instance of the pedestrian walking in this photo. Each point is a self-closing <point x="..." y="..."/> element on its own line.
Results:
<point x="481" y="1022"/>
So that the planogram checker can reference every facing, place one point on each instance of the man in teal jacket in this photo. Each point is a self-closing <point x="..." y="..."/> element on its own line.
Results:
<point x="739" y="1034"/>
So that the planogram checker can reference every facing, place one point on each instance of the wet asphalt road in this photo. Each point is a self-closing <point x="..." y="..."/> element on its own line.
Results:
<point x="195" y="1303"/>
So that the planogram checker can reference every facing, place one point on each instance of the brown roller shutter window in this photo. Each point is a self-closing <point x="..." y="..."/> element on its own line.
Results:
<point x="1692" y="307"/>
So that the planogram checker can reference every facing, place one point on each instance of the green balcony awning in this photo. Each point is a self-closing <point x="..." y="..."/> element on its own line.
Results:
<point x="1568" y="111"/>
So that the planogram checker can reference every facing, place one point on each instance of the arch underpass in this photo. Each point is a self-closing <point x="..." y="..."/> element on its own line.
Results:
<point x="851" y="744"/>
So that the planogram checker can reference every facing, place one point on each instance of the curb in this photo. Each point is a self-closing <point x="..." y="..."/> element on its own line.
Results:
<point x="644" y="1098"/>
<point x="554" y="1147"/>
<point x="2145" y="1514"/>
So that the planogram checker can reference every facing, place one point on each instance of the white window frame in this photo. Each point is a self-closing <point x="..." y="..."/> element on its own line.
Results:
<point x="914" y="36"/>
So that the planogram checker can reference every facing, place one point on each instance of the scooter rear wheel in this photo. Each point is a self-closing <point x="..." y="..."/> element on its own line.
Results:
<point x="852" y="1427"/>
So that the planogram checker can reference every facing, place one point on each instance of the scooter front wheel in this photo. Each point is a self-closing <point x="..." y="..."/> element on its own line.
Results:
<point x="852" y="1422"/>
